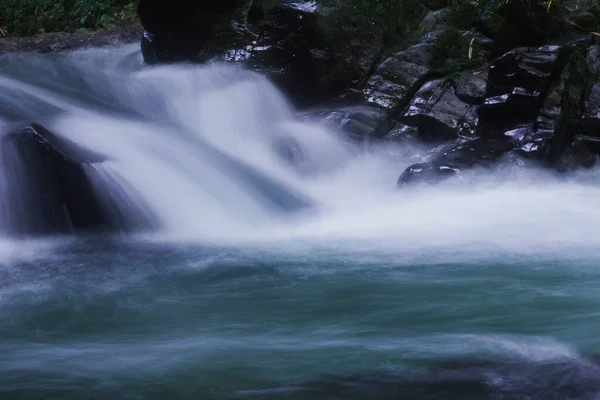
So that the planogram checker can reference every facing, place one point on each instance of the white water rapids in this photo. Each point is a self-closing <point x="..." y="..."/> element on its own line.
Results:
<point x="183" y="138"/>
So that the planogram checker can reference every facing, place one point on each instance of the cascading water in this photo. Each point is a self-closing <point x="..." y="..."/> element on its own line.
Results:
<point x="265" y="256"/>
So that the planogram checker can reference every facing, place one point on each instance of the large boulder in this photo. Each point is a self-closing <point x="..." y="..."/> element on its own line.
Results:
<point x="50" y="186"/>
<point x="438" y="113"/>
<point x="451" y="163"/>
<point x="553" y="130"/>
<point x="517" y="84"/>
<point x="178" y="30"/>
<point x="398" y="78"/>
<point x="310" y="52"/>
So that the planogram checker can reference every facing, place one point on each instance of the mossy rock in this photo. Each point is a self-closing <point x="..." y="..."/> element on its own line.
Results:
<point x="464" y="14"/>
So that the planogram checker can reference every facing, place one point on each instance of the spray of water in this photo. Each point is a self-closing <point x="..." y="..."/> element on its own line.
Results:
<point x="196" y="149"/>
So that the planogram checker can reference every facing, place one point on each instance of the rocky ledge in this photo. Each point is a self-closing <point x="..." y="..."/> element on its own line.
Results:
<point x="478" y="83"/>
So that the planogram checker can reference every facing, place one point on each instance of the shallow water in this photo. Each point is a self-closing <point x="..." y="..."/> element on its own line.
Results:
<point x="480" y="288"/>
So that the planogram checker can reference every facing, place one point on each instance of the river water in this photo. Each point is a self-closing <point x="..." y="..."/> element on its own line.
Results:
<point x="271" y="280"/>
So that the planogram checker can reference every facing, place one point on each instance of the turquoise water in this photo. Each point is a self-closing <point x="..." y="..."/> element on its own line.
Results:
<point x="115" y="318"/>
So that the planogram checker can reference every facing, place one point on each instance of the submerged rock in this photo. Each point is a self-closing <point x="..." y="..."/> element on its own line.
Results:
<point x="480" y="379"/>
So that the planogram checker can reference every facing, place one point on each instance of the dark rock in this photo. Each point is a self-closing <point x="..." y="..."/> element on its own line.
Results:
<point x="442" y="50"/>
<point x="553" y="132"/>
<point x="178" y="30"/>
<point x="402" y="133"/>
<point x="435" y="5"/>
<point x="429" y="173"/>
<point x="571" y="20"/>
<point x="358" y="122"/>
<point x="310" y="54"/>
<point x="584" y="152"/>
<point x="470" y="86"/>
<point x="519" y="133"/>
<point x="489" y="21"/>
<point x="593" y="58"/>
<point x="526" y="24"/>
<point x="464" y="14"/>
<point x="439" y="114"/>
<point x="395" y="82"/>
<point x="517" y="84"/>
<point x="589" y="124"/>
<point x="50" y="187"/>
<point x="478" y="152"/>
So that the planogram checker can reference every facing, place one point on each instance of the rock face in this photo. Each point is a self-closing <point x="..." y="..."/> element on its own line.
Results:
<point x="178" y="30"/>
<point x="474" y="82"/>
<point x="535" y="95"/>
<point x="307" y="52"/>
<point x="49" y="181"/>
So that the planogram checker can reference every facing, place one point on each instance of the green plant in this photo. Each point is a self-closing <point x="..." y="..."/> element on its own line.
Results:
<point x="28" y="17"/>
<point x="387" y="17"/>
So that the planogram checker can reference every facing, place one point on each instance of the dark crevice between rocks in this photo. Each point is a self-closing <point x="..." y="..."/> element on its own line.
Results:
<point x="395" y="113"/>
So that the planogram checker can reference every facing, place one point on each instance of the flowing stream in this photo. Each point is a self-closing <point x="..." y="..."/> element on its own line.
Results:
<point x="275" y="278"/>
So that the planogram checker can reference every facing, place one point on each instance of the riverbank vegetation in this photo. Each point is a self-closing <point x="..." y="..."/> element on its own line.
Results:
<point x="30" y="17"/>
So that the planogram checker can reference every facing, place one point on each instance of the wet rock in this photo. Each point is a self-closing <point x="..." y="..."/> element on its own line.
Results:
<point x="584" y="152"/>
<point x="470" y="86"/>
<point x="402" y="133"/>
<point x="395" y="82"/>
<point x="590" y="121"/>
<point x="52" y="188"/>
<point x="49" y="185"/>
<point x="478" y="152"/>
<point x="178" y="30"/>
<point x="310" y="54"/>
<point x="553" y="132"/>
<point x="443" y="50"/>
<point x="489" y="21"/>
<point x="358" y="122"/>
<point x="439" y="114"/>
<point x="593" y="58"/>
<point x="516" y="86"/>
<point x="428" y="173"/>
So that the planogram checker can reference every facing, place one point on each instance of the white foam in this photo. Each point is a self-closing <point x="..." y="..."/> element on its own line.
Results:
<point x="168" y="157"/>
